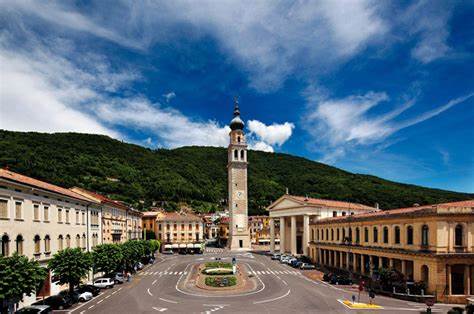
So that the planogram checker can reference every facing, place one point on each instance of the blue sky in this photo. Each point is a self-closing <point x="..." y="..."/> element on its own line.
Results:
<point x="377" y="87"/>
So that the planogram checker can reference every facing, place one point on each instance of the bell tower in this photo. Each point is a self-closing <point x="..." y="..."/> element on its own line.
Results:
<point x="239" y="236"/>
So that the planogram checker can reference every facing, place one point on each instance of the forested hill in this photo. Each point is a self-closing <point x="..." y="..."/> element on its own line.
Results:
<point x="193" y="175"/>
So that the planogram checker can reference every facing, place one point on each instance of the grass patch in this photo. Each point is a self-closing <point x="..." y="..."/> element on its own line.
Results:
<point x="221" y="281"/>
<point x="218" y="265"/>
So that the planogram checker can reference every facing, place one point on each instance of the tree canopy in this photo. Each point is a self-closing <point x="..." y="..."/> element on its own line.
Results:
<point x="196" y="176"/>
<point x="69" y="266"/>
<point x="19" y="276"/>
<point x="106" y="258"/>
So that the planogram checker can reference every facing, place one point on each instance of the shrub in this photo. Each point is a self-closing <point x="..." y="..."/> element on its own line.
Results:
<point x="218" y="265"/>
<point x="221" y="281"/>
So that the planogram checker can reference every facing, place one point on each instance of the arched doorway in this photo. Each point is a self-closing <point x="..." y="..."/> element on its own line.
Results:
<point x="425" y="274"/>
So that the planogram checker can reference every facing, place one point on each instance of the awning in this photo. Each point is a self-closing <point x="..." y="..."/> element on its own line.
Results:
<point x="175" y="246"/>
<point x="264" y="240"/>
<point x="182" y="245"/>
<point x="189" y="245"/>
<point x="167" y="246"/>
<point x="197" y="246"/>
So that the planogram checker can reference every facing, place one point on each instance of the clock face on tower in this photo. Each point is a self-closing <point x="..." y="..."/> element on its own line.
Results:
<point x="239" y="195"/>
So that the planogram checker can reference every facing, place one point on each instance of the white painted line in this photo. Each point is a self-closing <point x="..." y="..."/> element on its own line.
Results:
<point x="169" y="301"/>
<point x="154" y="281"/>
<point x="160" y="309"/>
<point x="91" y="306"/>
<point x="175" y="272"/>
<point x="166" y="273"/>
<point x="185" y="273"/>
<point x="107" y="296"/>
<point x="274" y="299"/>
<point x="284" y="282"/>
<point x="180" y="272"/>
<point x="160" y="272"/>
<point x="148" y="290"/>
<point x="100" y="301"/>
<point x="114" y="292"/>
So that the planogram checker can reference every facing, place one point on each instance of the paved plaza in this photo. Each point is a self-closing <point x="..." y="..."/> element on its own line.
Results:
<point x="280" y="289"/>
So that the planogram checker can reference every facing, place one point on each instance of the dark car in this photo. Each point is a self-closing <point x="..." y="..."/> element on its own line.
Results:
<point x="35" y="309"/>
<point x="327" y="276"/>
<point x="56" y="302"/>
<point x="340" y="280"/>
<point x="296" y="263"/>
<point x="73" y="297"/>
<point x="89" y="288"/>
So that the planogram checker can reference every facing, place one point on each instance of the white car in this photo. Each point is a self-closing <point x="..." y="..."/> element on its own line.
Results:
<point x="104" y="283"/>
<point x="85" y="296"/>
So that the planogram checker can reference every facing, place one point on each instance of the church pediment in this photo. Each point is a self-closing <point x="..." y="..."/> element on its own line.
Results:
<point x="284" y="202"/>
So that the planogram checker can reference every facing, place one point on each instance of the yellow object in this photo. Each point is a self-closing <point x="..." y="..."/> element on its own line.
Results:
<point x="361" y="305"/>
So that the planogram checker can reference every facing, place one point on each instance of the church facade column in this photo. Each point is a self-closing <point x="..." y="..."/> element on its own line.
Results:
<point x="305" y="234"/>
<point x="282" y="235"/>
<point x="272" y="235"/>
<point x="293" y="235"/>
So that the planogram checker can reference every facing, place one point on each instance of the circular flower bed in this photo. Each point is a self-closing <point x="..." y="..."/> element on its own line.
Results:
<point x="221" y="281"/>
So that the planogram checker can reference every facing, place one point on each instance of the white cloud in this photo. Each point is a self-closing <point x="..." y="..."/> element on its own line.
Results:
<point x="169" y="96"/>
<point x="270" y="39"/>
<point x="338" y="125"/>
<point x="274" y="134"/>
<point x="428" y="21"/>
<point x="261" y="146"/>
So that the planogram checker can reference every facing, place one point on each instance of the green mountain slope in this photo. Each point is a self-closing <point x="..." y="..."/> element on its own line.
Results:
<point x="195" y="175"/>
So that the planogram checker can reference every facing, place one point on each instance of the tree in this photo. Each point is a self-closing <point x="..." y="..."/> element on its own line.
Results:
<point x="69" y="266"/>
<point x="107" y="258"/>
<point x="150" y="234"/>
<point x="19" y="276"/>
<point x="132" y="252"/>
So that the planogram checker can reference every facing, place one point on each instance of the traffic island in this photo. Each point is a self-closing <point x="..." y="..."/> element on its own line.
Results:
<point x="216" y="278"/>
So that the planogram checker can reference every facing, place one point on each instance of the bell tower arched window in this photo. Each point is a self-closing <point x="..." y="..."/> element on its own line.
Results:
<point x="236" y="154"/>
<point x="242" y="155"/>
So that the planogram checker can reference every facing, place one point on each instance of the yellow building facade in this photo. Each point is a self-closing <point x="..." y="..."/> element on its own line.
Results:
<point x="432" y="244"/>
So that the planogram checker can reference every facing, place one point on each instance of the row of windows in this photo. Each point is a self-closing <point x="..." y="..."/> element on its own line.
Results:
<point x="40" y="212"/>
<point x="242" y="154"/>
<point x="330" y="235"/>
<point x="80" y="242"/>
<point x="175" y="226"/>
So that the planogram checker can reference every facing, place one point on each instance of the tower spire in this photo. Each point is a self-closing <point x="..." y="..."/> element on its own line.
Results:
<point x="236" y="123"/>
<point x="236" y="106"/>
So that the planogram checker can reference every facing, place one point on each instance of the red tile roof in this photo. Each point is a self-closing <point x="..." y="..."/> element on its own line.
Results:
<point x="395" y="212"/>
<point x="19" y="178"/>
<point x="175" y="216"/>
<point x="103" y="199"/>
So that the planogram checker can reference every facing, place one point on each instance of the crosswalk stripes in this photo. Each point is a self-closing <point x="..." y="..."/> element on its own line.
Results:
<point x="163" y="273"/>
<point x="274" y="272"/>
<point x="214" y="250"/>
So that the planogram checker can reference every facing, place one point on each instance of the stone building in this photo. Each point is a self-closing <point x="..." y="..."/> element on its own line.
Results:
<point x="38" y="219"/>
<point x="433" y="244"/>
<point x="294" y="214"/>
<point x="114" y="216"/>
<point x="134" y="224"/>
<point x="239" y="237"/>
<point x="178" y="231"/>
<point x="259" y="227"/>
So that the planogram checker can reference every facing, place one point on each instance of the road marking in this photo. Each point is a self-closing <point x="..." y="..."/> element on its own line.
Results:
<point x="154" y="281"/>
<point x="91" y="306"/>
<point x="148" y="290"/>
<point x="107" y="296"/>
<point x="284" y="282"/>
<point x="100" y="301"/>
<point x="180" y="272"/>
<point x="160" y="309"/>
<point x="175" y="272"/>
<point x="274" y="299"/>
<point x="169" y="301"/>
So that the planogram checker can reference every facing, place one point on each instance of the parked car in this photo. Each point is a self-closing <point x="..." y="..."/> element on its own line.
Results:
<point x="307" y="266"/>
<point x="168" y="252"/>
<point x="340" y="280"/>
<point x="118" y="278"/>
<point x="56" y="302"/>
<point x="35" y="309"/>
<point x="275" y="256"/>
<point x="85" y="296"/>
<point x="327" y="276"/>
<point x="74" y="296"/>
<point x="88" y="288"/>
<point x="296" y="263"/>
<point x="291" y="260"/>
<point x="139" y="265"/>
<point x="104" y="283"/>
